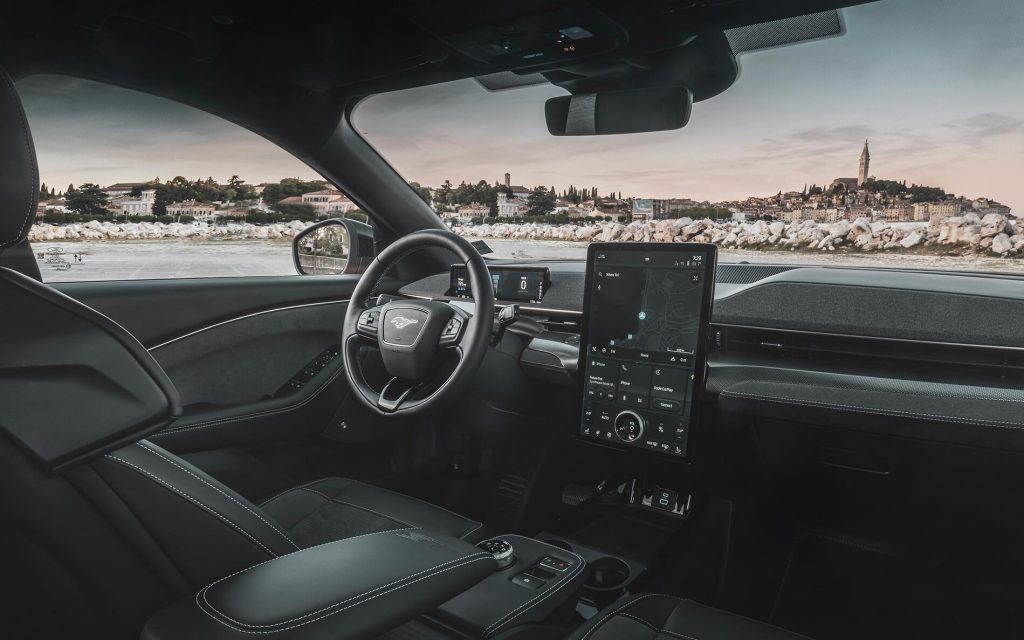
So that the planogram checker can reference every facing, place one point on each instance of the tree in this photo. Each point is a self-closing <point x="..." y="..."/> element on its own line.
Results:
<point x="540" y="203"/>
<point x="421" y="191"/>
<point x="287" y="188"/>
<point x="239" y="189"/>
<point x="88" y="199"/>
<point x="43" y="192"/>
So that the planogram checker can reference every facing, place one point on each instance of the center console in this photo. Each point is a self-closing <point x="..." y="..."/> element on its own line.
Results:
<point x="645" y="328"/>
<point x="537" y="579"/>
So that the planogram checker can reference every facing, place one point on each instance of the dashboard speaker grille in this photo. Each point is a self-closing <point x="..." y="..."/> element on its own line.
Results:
<point x="748" y="273"/>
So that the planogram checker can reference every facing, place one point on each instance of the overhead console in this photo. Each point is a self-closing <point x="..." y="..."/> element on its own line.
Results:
<point x="647" y="311"/>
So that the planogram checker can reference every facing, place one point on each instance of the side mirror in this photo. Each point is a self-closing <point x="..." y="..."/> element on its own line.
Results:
<point x="333" y="247"/>
<point x="609" y="112"/>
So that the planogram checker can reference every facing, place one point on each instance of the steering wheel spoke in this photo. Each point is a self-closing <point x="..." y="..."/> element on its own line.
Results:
<point x="395" y="393"/>
<point x="368" y="324"/>
<point x="455" y="329"/>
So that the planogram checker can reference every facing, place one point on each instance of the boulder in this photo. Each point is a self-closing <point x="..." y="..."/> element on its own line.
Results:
<point x="912" y="240"/>
<point x="1001" y="244"/>
<point x="992" y="224"/>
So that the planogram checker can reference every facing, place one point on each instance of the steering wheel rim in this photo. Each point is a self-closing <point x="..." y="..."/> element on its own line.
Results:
<point x="470" y="344"/>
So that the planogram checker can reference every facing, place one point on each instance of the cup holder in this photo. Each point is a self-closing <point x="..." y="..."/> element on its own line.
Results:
<point x="561" y="544"/>
<point x="607" y="574"/>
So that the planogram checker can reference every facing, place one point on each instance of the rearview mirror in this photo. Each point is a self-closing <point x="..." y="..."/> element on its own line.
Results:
<point x="609" y="112"/>
<point x="333" y="247"/>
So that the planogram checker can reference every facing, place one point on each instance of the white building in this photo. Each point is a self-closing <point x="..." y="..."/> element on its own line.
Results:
<point x="510" y="208"/>
<point x="127" y="205"/>
<point x="199" y="210"/>
<point x="328" y="202"/>
<point x="120" y="189"/>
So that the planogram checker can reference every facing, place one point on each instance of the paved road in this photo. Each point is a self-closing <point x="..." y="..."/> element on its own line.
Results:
<point x="135" y="260"/>
<point x="148" y="259"/>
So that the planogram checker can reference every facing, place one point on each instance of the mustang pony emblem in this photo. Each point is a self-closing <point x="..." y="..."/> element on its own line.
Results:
<point x="402" y="322"/>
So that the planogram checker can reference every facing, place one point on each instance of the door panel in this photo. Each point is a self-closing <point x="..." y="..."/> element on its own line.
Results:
<point x="230" y="345"/>
<point x="249" y="359"/>
<point x="155" y="311"/>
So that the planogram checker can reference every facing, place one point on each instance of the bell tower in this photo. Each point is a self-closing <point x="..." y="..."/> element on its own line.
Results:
<point x="865" y="160"/>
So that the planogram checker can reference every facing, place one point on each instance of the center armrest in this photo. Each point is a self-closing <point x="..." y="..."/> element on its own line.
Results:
<point x="347" y="589"/>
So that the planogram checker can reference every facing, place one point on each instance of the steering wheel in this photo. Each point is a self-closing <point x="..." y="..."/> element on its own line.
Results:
<point x="416" y="336"/>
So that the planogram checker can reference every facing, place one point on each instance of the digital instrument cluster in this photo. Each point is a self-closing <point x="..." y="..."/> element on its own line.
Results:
<point x="515" y="284"/>
<point x="647" y="311"/>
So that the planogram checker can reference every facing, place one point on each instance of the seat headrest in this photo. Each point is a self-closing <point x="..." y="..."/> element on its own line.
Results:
<point x="19" y="175"/>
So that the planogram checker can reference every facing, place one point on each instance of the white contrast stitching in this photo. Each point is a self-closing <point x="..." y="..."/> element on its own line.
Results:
<point x="280" y="494"/>
<point x="322" y="544"/>
<point x="676" y="634"/>
<point x="422" y="501"/>
<point x="622" y="608"/>
<point x="354" y="506"/>
<point x="223" y="493"/>
<point x="511" y="615"/>
<point x="999" y="424"/>
<point x="306" y="486"/>
<point x="439" y="569"/>
<point x="650" y="625"/>
<point x="171" y="431"/>
<point x="31" y="152"/>
<point x="206" y="508"/>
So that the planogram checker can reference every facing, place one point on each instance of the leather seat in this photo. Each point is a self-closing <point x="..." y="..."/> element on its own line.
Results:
<point x="336" y="508"/>
<point x="654" y="616"/>
<point x="96" y="516"/>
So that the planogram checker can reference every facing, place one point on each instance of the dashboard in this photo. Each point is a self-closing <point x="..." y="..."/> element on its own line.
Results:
<point x="933" y="355"/>
<point x="643" y="346"/>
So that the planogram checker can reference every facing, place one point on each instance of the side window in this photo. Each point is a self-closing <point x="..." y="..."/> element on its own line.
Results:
<point x="134" y="186"/>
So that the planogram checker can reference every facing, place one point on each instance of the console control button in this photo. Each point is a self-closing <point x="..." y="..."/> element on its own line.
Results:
<point x="527" y="581"/>
<point x="554" y="564"/>
<point x="629" y="426"/>
<point x="665" y="499"/>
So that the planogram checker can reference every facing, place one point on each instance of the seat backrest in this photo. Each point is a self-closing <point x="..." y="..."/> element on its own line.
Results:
<point x="18" y="174"/>
<point x="100" y="528"/>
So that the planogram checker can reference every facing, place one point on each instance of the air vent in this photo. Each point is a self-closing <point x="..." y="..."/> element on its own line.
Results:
<point x="992" y="365"/>
<point x="566" y="324"/>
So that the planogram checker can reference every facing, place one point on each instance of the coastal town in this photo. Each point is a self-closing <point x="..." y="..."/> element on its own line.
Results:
<point x="848" y="199"/>
<point x="863" y="196"/>
<point x="860" y="214"/>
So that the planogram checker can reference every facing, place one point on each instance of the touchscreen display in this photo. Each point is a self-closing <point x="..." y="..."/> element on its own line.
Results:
<point x="645" y="327"/>
<point x="518" y="284"/>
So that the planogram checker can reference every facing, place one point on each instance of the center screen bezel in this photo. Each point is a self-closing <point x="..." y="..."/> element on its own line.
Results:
<point x="710" y="253"/>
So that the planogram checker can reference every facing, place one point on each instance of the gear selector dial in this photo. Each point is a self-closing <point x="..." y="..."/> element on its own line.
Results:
<point x="500" y="549"/>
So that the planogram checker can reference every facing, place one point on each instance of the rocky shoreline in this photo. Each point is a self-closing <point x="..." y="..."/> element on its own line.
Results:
<point x="969" y="234"/>
<point x="992" y="235"/>
<point x="95" y="230"/>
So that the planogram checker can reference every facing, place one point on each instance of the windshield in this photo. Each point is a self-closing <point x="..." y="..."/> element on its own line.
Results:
<point x="897" y="143"/>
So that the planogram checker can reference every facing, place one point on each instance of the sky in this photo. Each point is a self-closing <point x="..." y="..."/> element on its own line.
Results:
<point x="936" y="85"/>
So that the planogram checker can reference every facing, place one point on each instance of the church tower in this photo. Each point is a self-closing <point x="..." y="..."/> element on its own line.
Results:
<point x="865" y="160"/>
